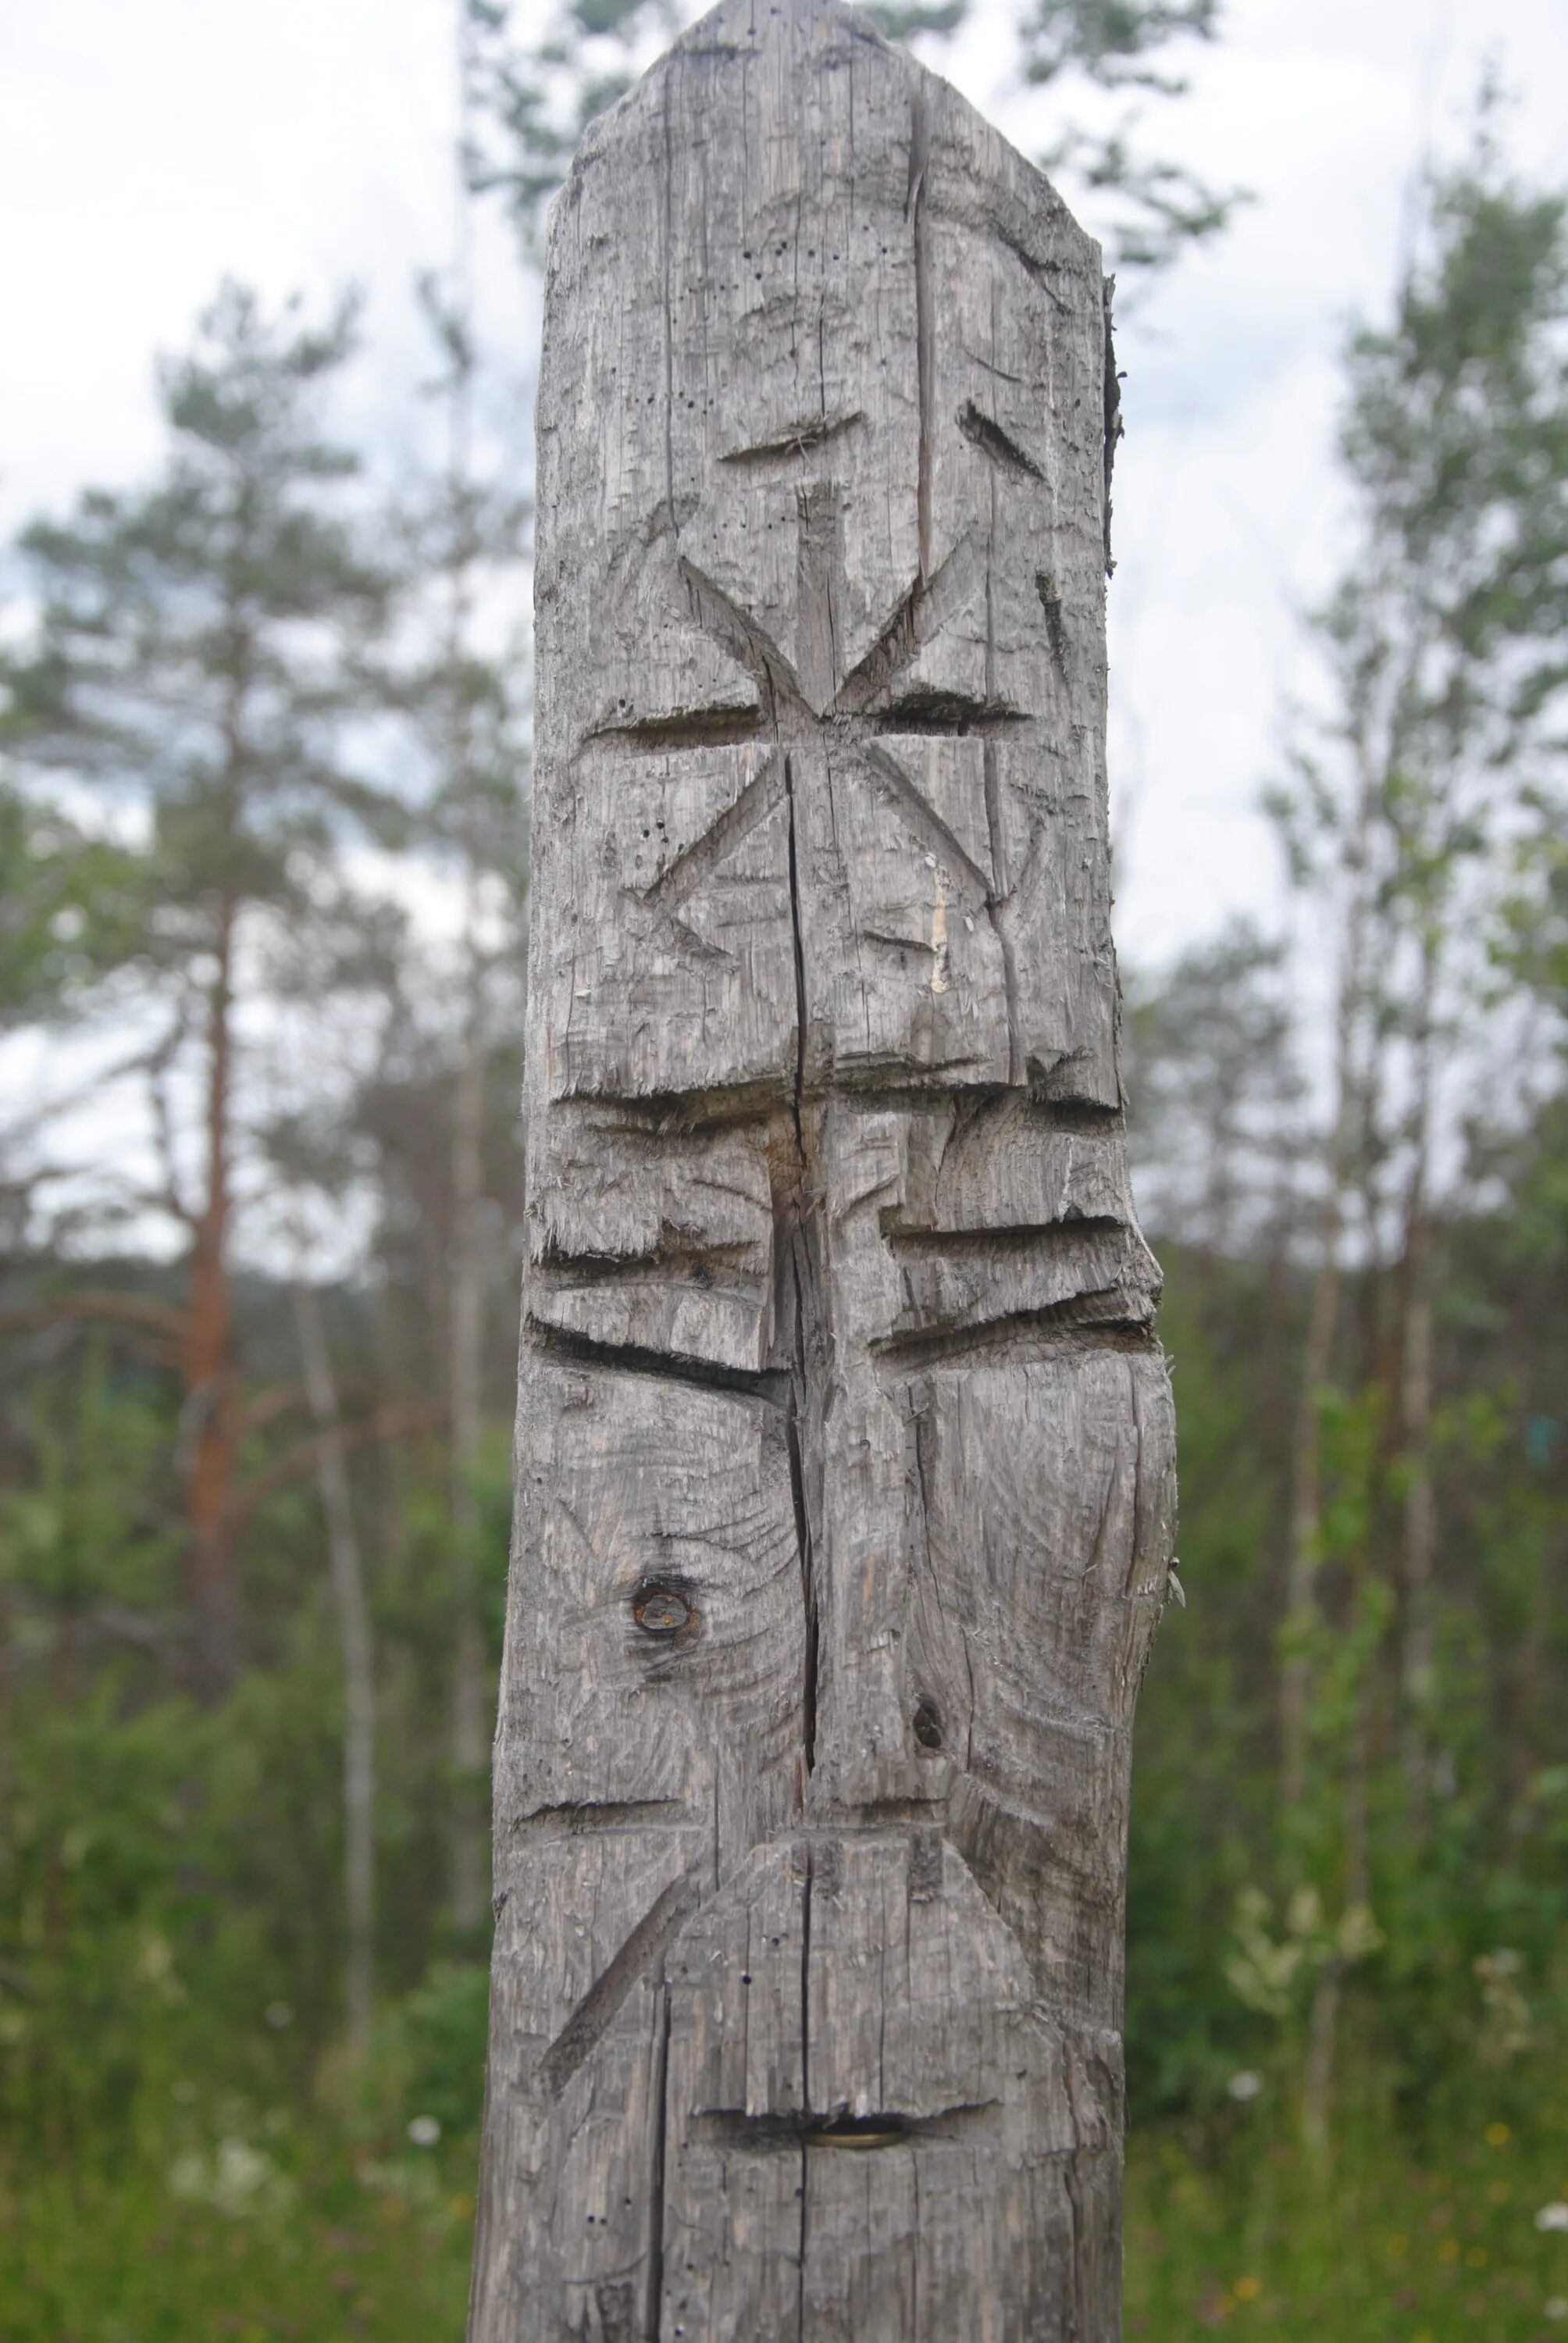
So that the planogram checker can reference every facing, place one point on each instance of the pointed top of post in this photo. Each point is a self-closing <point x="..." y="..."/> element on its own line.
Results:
<point x="800" y="40"/>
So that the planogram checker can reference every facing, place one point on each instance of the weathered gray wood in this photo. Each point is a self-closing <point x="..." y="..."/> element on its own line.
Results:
<point x="845" y="1451"/>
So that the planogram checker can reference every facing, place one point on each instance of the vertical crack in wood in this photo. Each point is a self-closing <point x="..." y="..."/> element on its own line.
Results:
<point x="808" y="1584"/>
<point x="653" y="2320"/>
<point x="1075" y="2258"/>
<point x="992" y="766"/>
<point x="667" y="226"/>
<point x="918" y="1405"/>
<point x="805" y="2081"/>
<point x="1114" y="425"/>
<point x="925" y="317"/>
<point x="794" y="1235"/>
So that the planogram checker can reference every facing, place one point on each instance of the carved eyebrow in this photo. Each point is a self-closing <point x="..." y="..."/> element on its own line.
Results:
<point x="985" y="433"/>
<point x="683" y="728"/>
<point x="947" y="712"/>
<point x="795" y="439"/>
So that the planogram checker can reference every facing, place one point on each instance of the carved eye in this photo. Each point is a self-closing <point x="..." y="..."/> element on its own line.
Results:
<point x="927" y="1725"/>
<point x="660" y="1610"/>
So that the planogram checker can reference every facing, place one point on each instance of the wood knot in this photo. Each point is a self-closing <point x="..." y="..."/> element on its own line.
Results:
<point x="660" y="1610"/>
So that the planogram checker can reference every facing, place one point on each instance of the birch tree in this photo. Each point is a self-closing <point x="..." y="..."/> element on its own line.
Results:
<point x="1444" y="646"/>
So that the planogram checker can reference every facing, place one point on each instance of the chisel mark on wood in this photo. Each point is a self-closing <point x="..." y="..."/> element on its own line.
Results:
<point x="653" y="2327"/>
<point x="1060" y="1328"/>
<point x="797" y="440"/>
<point x="991" y="440"/>
<point x="1059" y="1235"/>
<point x="572" y="1819"/>
<point x="590" y="2020"/>
<point x="690" y="728"/>
<point x="770" y="1387"/>
<point x="687" y="871"/>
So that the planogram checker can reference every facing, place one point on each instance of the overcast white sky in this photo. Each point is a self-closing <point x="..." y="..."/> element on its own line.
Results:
<point x="149" y="145"/>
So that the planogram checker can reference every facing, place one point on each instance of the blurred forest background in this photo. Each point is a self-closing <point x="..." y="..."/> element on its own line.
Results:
<point x="264" y="762"/>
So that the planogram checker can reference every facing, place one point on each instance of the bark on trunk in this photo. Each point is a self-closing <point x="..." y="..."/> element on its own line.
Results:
<point x="845" y="1450"/>
<point x="352" y="1606"/>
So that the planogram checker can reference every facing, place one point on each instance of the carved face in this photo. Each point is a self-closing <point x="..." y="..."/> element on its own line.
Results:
<point x="843" y="1453"/>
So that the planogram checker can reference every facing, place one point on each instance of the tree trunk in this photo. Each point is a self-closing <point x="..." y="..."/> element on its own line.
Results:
<point x="1324" y="1317"/>
<point x="353" y="1609"/>
<point x="1417" y="1641"/>
<point x="207" y="1362"/>
<point x="1306" y="1499"/>
<point x="845" y="1450"/>
<point x="470" y="1747"/>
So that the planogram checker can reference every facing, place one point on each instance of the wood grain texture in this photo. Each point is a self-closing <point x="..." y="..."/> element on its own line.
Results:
<point x="845" y="1451"/>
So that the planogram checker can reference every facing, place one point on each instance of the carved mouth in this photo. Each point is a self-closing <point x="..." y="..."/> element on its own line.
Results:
<point x="859" y="2131"/>
<point x="883" y="2129"/>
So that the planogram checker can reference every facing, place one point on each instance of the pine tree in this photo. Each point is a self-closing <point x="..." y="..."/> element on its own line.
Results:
<point x="199" y="659"/>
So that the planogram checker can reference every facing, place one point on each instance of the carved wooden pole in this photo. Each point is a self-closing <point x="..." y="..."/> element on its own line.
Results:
<point x="845" y="1451"/>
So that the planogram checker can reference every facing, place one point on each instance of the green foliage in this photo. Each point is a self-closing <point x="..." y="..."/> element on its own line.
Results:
<point x="178" y="2131"/>
<point x="1425" y="1561"/>
<point x="1156" y="209"/>
<point x="1112" y="41"/>
<point x="1216" y="1097"/>
<point x="1445" y="637"/>
<point x="72" y="907"/>
<point x="933" y="19"/>
<point x="533" y="100"/>
<point x="431" y="2052"/>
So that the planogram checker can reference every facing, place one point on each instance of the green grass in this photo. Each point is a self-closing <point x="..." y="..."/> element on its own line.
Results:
<point x="1243" y="2236"/>
<point x="358" y="2250"/>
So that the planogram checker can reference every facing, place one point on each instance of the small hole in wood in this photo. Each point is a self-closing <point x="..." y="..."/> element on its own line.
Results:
<point x="928" y="1724"/>
<point x="660" y="1610"/>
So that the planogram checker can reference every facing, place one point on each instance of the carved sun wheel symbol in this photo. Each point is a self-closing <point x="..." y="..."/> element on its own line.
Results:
<point x="866" y="728"/>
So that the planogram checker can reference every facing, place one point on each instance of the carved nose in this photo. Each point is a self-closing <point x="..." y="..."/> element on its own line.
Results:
<point x="926" y="1726"/>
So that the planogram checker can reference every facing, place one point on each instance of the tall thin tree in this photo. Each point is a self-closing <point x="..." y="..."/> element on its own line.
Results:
<point x="197" y="657"/>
